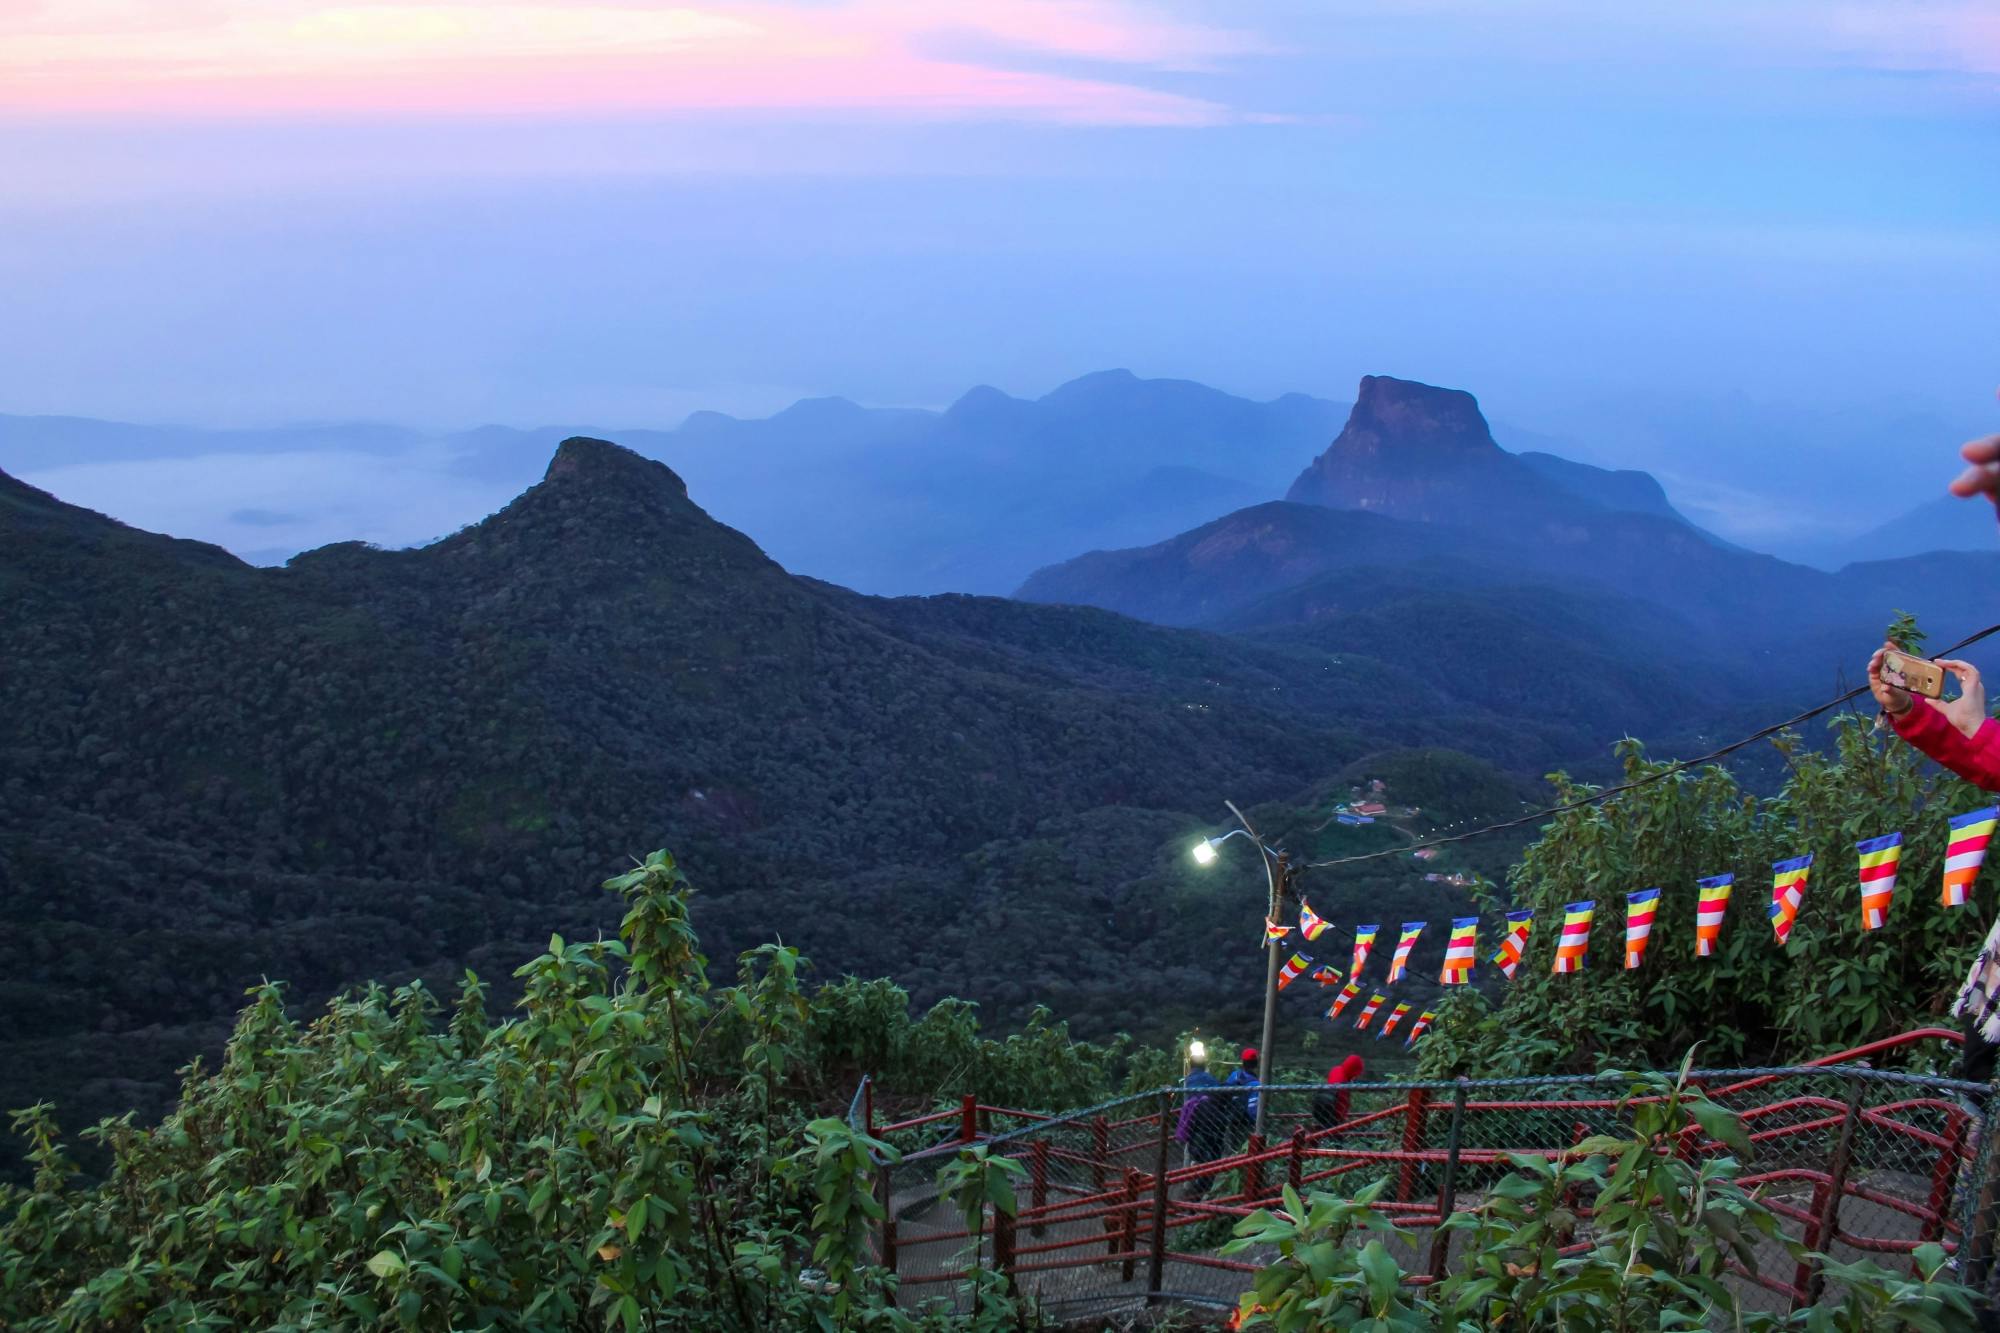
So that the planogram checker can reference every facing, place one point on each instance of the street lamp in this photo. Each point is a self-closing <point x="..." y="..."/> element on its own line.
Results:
<point x="1277" y="878"/>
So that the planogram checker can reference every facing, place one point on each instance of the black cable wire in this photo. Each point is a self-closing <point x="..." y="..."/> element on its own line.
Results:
<point x="1671" y="770"/>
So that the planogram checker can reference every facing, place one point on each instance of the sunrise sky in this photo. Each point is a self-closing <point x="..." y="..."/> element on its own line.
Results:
<point x="264" y="211"/>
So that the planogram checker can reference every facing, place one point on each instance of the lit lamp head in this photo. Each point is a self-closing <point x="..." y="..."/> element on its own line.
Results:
<point x="1197" y="1052"/>
<point x="1204" y="852"/>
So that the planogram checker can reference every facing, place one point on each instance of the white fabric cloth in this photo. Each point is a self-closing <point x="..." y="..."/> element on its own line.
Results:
<point x="1979" y="998"/>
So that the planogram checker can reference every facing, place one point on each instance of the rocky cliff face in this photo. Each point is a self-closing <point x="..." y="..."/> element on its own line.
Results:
<point x="1419" y="452"/>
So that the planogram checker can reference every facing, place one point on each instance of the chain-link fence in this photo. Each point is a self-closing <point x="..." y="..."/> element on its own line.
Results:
<point x="1131" y="1202"/>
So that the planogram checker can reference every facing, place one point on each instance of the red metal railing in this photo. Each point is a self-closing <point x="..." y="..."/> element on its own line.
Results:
<point x="1112" y="1212"/>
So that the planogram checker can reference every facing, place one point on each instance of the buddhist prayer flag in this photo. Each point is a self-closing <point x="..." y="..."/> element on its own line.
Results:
<point x="1395" y="1017"/>
<point x="1326" y="976"/>
<point x="1515" y="944"/>
<point x="1709" y="910"/>
<point x="1401" y="962"/>
<point x="1341" y="1001"/>
<point x="1274" y="932"/>
<point x="1364" y="940"/>
<point x="1459" y="951"/>
<point x="1417" y="1028"/>
<point x="1310" y="922"/>
<point x="1966" y="851"/>
<point x="1293" y="969"/>
<point x="1639" y="909"/>
<point x="1368" y="1011"/>
<point x="1788" y="888"/>
<point x="1574" y="941"/>
<point x="1879" y="859"/>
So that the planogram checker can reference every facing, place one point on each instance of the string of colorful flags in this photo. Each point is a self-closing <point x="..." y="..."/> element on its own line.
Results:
<point x="1879" y="858"/>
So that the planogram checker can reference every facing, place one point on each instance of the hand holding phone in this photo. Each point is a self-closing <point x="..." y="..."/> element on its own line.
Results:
<point x="1918" y="675"/>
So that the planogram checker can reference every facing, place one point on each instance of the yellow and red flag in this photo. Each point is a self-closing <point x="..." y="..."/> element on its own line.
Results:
<point x="1966" y="852"/>
<point x="1515" y="944"/>
<point x="1709" y="909"/>
<point x="1574" y="942"/>
<point x="1879" y="859"/>
<point x="1788" y="889"/>
<point x="1459" y="951"/>
<point x="1395" y="1017"/>
<point x="1639" y="909"/>
<point x="1364" y="940"/>
<point x="1400" y="963"/>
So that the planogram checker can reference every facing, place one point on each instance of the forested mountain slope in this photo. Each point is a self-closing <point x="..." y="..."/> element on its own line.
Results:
<point x="386" y="763"/>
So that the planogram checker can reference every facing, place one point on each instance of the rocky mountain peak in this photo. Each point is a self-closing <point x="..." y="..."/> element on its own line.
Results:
<point x="582" y="460"/>
<point x="1408" y="417"/>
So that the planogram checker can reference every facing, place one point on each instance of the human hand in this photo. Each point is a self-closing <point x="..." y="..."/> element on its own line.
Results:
<point x="1968" y="711"/>
<point x="1894" y="699"/>
<point x="1983" y="477"/>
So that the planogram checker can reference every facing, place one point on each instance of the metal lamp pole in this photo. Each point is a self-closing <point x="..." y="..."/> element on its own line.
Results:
<point x="1277" y="877"/>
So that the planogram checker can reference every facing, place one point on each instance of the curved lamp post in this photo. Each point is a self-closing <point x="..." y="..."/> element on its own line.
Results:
<point x="1277" y="878"/>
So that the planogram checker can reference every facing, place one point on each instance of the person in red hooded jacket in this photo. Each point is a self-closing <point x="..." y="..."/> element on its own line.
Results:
<point x="1330" y="1105"/>
<point x="1960" y="735"/>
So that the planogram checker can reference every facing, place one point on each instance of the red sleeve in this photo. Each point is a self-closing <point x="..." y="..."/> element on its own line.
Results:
<point x="1975" y="758"/>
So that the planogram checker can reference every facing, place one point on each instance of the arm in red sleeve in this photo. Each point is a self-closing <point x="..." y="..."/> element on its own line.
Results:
<point x="1975" y="758"/>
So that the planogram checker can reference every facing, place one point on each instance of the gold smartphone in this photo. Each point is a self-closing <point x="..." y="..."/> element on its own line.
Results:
<point x="1916" y="674"/>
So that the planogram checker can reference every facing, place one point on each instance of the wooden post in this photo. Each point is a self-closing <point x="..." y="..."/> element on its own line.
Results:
<point x="1156" y="1258"/>
<point x="1100" y="1152"/>
<point x="1131" y="1238"/>
<point x="1253" y="1170"/>
<point x="1448" y="1187"/>
<point x="968" y="1118"/>
<point x="1038" y="1184"/>
<point x="1826" y="1217"/>
<point x="1413" y="1143"/>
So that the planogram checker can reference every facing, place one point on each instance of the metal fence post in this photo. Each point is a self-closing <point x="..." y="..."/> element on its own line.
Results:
<point x="1003" y="1245"/>
<point x="1253" y="1170"/>
<point x="1826" y="1213"/>
<point x="1295" y="1166"/>
<point x="1448" y="1187"/>
<point x="1156" y="1259"/>
<point x="1951" y="1160"/>
<point x="884" y="1195"/>
<point x="1038" y="1184"/>
<point x="1413" y="1143"/>
<point x="1981" y="1187"/>
<point x="1131" y="1237"/>
<point x="868" y="1105"/>
<point x="968" y="1118"/>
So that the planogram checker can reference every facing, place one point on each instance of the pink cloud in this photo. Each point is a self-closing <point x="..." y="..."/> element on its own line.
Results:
<point x="236" y="57"/>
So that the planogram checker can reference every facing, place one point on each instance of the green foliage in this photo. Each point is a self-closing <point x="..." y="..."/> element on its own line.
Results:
<point x="1831" y="988"/>
<point x="1623" y="1233"/>
<point x="633" y="1150"/>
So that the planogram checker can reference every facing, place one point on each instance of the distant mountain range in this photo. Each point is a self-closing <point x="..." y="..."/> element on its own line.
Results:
<point x="1414" y="493"/>
<point x="973" y="498"/>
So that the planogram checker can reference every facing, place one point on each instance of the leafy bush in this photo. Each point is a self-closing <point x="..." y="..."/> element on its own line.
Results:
<point x="1753" y="1002"/>
<point x="635" y="1150"/>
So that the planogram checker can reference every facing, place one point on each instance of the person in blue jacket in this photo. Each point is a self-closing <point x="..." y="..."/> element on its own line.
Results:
<point x="1246" y="1077"/>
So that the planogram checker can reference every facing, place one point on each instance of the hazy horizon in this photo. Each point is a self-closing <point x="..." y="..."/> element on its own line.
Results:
<point x="1751" y="251"/>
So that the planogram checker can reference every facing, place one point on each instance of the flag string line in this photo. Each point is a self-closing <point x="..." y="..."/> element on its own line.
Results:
<point x="1595" y="798"/>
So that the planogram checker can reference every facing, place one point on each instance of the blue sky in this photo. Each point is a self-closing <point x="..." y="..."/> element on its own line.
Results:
<point x="1609" y="222"/>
